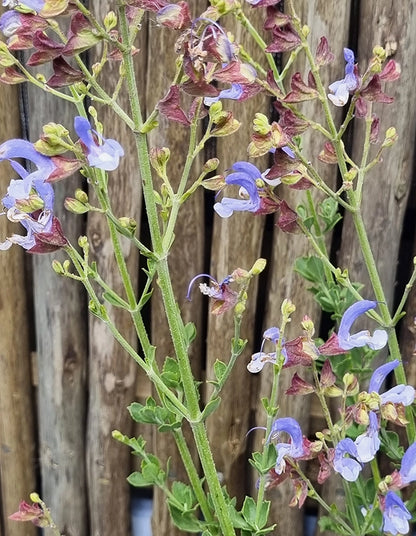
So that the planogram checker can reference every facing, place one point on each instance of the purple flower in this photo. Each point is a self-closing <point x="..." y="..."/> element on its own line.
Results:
<point x="245" y="176"/>
<point x="348" y="467"/>
<point x="408" y="468"/>
<point x="340" y="90"/>
<point x="233" y="93"/>
<point x="35" y="5"/>
<point x="29" y="200"/>
<point x="368" y="443"/>
<point x="294" y="449"/>
<point x="347" y="341"/>
<point x="101" y="153"/>
<point x="259" y="359"/>
<point x="395" y="515"/>
<point x="400" y="394"/>
<point x="224" y="298"/>
<point x="10" y="22"/>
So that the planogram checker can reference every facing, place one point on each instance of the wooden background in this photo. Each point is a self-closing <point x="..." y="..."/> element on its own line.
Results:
<point x="66" y="384"/>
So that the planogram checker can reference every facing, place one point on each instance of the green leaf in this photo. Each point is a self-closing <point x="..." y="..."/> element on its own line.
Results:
<point x="210" y="407"/>
<point x="190" y="332"/>
<point x="264" y="514"/>
<point x="249" y="511"/>
<point x="390" y="444"/>
<point x="137" y="480"/>
<point x="114" y="299"/>
<point x="264" y="466"/>
<point x="170" y="373"/>
<point x="188" y="522"/>
<point x="219" y="370"/>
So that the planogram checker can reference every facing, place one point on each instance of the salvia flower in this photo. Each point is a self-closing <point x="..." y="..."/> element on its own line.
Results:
<point x="347" y="466"/>
<point x="294" y="449"/>
<point x="395" y="515"/>
<point x="224" y="298"/>
<point x="368" y="443"/>
<point x="34" y="5"/>
<point x="101" y="153"/>
<point x="234" y="93"/>
<point x="408" y="469"/>
<point x="259" y="359"/>
<point x="347" y="341"/>
<point x="400" y="394"/>
<point x="340" y="90"/>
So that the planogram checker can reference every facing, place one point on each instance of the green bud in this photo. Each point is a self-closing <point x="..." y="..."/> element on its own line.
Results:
<point x="258" y="266"/>
<point x="261" y="124"/>
<point x="226" y="126"/>
<point x="305" y="30"/>
<point x="75" y="206"/>
<point x="57" y="267"/>
<point x="66" y="264"/>
<point x="210" y="165"/>
<point x="128" y="223"/>
<point x="214" y="183"/>
<point x="34" y="497"/>
<point x="40" y="78"/>
<point x="380" y="53"/>
<point x="239" y="308"/>
<point x="83" y="242"/>
<point x="6" y="58"/>
<point x="288" y="307"/>
<point x="31" y="204"/>
<point x="110" y="21"/>
<point x="81" y="196"/>
<point x="390" y="138"/>
<point x="215" y="111"/>
<point x="308" y="326"/>
<point x="159" y="157"/>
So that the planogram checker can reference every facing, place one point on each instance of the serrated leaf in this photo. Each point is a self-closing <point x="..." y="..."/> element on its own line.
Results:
<point x="188" y="522"/>
<point x="137" y="480"/>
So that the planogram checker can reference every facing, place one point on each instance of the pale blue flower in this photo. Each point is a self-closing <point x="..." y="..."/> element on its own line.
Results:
<point x="400" y="394"/>
<point x="340" y="90"/>
<point x="347" y="341"/>
<point x="408" y="468"/>
<point x="259" y="359"/>
<point x="233" y="93"/>
<point x="395" y="515"/>
<point x="348" y="467"/>
<point x="35" y="5"/>
<point x="294" y="449"/>
<point x="101" y="153"/>
<point x="245" y="176"/>
<point x="368" y="443"/>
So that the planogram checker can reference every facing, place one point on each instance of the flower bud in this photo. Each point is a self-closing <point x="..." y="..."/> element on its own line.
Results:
<point x="81" y="196"/>
<point x="210" y="165"/>
<point x="110" y="21"/>
<point x="287" y="307"/>
<point x="258" y="266"/>
<point x="57" y="267"/>
<point x="83" y="242"/>
<point x="30" y="204"/>
<point x="128" y="223"/>
<point x="34" y="497"/>
<point x="239" y="308"/>
<point x="308" y="326"/>
<point x="159" y="157"/>
<point x="391" y="137"/>
<point x="75" y="206"/>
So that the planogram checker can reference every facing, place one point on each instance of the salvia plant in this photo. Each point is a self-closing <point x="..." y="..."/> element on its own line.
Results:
<point x="211" y="69"/>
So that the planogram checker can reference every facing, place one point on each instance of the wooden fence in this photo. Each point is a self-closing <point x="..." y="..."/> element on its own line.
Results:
<point x="66" y="383"/>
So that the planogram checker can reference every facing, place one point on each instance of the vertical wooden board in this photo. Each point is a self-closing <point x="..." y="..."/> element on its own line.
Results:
<point x="61" y="335"/>
<point x="330" y="20"/>
<point x="17" y="407"/>
<point x="187" y="254"/>
<point x="236" y="243"/>
<point x="112" y="373"/>
<point x="387" y="185"/>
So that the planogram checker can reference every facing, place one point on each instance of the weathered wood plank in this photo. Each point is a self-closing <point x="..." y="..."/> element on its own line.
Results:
<point x="236" y="243"/>
<point x="60" y="315"/>
<point x="112" y="374"/>
<point x="332" y="21"/>
<point x="17" y="408"/>
<point x="187" y="254"/>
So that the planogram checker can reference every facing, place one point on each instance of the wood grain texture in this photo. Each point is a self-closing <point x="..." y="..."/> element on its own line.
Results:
<point x="17" y="411"/>
<point x="330" y="20"/>
<point x="61" y="335"/>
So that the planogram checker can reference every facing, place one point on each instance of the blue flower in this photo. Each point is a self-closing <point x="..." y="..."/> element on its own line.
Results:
<point x="340" y="90"/>
<point x="259" y="359"/>
<point x="101" y="153"/>
<point x="408" y="468"/>
<point x="294" y="449"/>
<point x="233" y="93"/>
<point x="395" y="515"/>
<point x="400" y="394"/>
<point x="35" y="5"/>
<point x="368" y="443"/>
<point x="224" y="298"/>
<point x="245" y="176"/>
<point x="347" y="341"/>
<point x="348" y="467"/>
<point x="29" y="200"/>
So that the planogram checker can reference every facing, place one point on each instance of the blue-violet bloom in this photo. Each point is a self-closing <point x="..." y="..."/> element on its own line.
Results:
<point x="395" y="515"/>
<point x="259" y="359"/>
<point x="101" y="153"/>
<point x="233" y="93"/>
<point x="347" y="341"/>
<point x="340" y="90"/>
<point x="348" y="467"/>
<point x="368" y="443"/>
<point x="35" y="5"/>
<point x="294" y="449"/>
<point x="408" y="468"/>
<point x="400" y="394"/>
